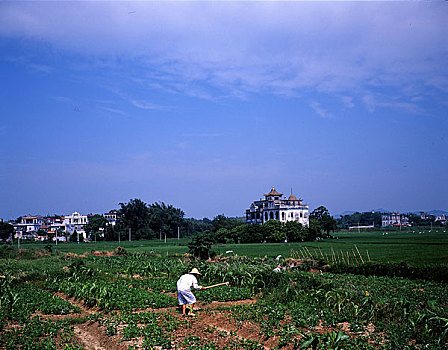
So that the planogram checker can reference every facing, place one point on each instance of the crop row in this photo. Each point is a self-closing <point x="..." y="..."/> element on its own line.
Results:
<point x="19" y="301"/>
<point x="39" y="334"/>
<point x="110" y="296"/>
<point x="156" y="328"/>
<point x="403" y="314"/>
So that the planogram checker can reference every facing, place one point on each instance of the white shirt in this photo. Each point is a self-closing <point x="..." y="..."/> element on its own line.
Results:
<point x="187" y="281"/>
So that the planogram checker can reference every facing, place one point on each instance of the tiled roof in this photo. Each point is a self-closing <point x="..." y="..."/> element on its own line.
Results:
<point x="273" y="193"/>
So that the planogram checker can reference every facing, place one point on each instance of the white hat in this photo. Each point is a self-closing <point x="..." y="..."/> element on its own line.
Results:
<point x="195" y="271"/>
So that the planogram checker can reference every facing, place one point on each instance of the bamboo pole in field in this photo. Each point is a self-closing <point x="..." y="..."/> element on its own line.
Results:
<point x="348" y="258"/>
<point x="368" y="256"/>
<point x="360" y="256"/>
<point x="342" y="254"/>
<point x="309" y="253"/>
<point x="315" y="252"/>
<point x="332" y="252"/>
<point x="301" y="252"/>
<point x="326" y="256"/>
<point x="354" y="256"/>
<point x="321" y="254"/>
<point x="306" y="253"/>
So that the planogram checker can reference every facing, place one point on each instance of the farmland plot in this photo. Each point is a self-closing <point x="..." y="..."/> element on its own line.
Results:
<point x="123" y="302"/>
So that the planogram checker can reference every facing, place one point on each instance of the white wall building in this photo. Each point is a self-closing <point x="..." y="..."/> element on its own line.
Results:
<point x="394" y="219"/>
<point x="76" y="222"/>
<point x="111" y="217"/>
<point x="30" y="224"/>
<point x="442" y="219"/>
<point x="276" y="207"/>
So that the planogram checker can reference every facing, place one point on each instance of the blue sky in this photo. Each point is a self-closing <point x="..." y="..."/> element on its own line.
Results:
<point x="206" y="106"/>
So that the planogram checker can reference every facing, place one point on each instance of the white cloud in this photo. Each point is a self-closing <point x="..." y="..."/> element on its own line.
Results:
<point x="112" y="110"/>
<point x="347" y="101"/>
<point x="41" y="68"/>
<point x="372" y="102"/>
<point x="146" y="105"/>
<point x="343" y="48"/>
<point x="320" y="111"/>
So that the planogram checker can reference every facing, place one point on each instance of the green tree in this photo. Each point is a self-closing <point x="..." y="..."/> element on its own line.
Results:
<point x="165" y="219"/>
<point x="328" y="223"/>
<point x="6" y="231"/>
<point x="222" y="221"/>
<point x="74" y="237"/>
<point x="222" y="235"/>
<point x="97" y="224"/>
<point x="324" y="219"/>
<point x="273" y="231"/>
<point x="135" y="216"/>
<point x="192" y="225"/>
<point x="201" y="245"/>
<point x="314" y="230"/>
<point x="294" y="231"/>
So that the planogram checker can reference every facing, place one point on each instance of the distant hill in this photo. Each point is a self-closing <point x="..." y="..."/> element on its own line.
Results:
<point x="437" y="212"/>
<point x="350" y="212"/>
<point x="382" y="210"/>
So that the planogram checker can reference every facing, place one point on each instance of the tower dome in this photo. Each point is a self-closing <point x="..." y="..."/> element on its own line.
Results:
<point x="292" y="198"/>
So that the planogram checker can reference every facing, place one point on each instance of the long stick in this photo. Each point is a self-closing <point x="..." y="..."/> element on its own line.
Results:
<point x="321" y="254"/>
<point x="217" y="285"/>
<point x="359" y="254"/>
<point x="332" y="252"/>
<point x="312" y="257"/>
<point x="354" y="255"/>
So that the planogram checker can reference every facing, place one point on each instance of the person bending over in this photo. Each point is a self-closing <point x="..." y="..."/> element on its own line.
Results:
<point x="184" y="294"/>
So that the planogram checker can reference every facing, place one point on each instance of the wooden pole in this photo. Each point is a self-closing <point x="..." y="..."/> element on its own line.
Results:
<point x="217" y="285"/>
<point x="342" y="254"/>
<point x="321" y="254"/>
<point x="312" y="257"/>
<point x="332" y="252"/>
<point x="368" y="256"/>
<point x="354" y="255"/>
<point x="360" y="256"/>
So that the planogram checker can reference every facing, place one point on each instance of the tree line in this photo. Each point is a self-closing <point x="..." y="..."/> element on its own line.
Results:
<point x="375" y="218"/>
<point x="159" y="220"/>
<point x="226" y="230"/>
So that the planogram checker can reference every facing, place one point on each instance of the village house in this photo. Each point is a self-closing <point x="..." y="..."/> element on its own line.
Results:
<point x="275" y="206"/>
<point x="111" y="217"/>
<point x="76" y="222"/>
<point x="394" y="219"/>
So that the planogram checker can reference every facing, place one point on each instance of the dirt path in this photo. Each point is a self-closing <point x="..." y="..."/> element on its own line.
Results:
<point x="211" y="324"/>
<point x="92" y="337"/>
<point x="85" y="309"/>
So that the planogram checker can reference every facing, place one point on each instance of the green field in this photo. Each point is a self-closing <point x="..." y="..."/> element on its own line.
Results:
<point x="57" y="297"/>
<point x="63" y="301"/>
<point x="416" y="249"/>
